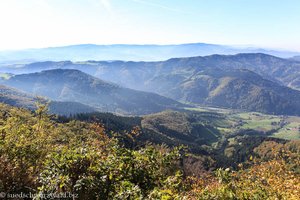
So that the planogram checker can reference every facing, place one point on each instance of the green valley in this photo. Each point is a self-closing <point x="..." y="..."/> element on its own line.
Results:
<point x="285" y="127"/>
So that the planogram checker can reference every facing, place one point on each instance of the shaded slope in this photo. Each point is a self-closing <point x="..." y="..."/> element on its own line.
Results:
<point x="74" y="85"/>
<point x="240" y="89"/>
<point x="14" y="97"/>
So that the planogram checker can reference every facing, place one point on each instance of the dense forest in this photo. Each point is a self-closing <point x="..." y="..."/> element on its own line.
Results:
<point x="44" y="155"/>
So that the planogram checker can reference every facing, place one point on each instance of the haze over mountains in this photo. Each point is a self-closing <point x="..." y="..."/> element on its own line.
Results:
<point x="248" y="81"/>
<point x="136" y="74"/>
<point x="76" y="86"/>
<point x="18" y="98"/>
<point x="296" y="58"/>
<point x="129" y="52"/>
<point x="253" y="82"/>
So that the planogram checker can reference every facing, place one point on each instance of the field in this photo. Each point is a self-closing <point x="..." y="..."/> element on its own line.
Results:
<point x="285" y="127"/>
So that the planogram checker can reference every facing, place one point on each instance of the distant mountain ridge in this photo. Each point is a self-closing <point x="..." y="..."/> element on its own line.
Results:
<point x="283" y="71"/>
<point x="254" y="82"/>
<point x="76" y="86"/>
<point x="129" y="52"/>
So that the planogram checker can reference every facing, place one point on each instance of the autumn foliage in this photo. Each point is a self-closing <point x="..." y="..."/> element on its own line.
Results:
<point x="40" y="155"/>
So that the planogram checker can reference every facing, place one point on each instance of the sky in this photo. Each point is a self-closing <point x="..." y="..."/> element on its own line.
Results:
<point x="49" y="23"/>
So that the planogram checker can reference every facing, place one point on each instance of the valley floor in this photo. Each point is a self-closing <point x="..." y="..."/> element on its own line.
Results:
<point x="278" y="126"/>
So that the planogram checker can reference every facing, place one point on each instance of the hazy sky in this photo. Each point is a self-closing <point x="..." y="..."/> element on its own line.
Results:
<point x="43" y="23"/>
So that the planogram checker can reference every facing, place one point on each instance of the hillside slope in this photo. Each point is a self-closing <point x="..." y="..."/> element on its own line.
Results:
<point x="15" y="97"/>
<point x="76" y="86"/>
<point x="239" y="89"/>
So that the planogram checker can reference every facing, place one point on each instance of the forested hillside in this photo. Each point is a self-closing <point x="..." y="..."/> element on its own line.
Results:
<point x="42" y="154"/>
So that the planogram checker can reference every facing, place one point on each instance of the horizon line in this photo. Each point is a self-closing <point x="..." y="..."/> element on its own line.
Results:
<point x="156" y="44"/>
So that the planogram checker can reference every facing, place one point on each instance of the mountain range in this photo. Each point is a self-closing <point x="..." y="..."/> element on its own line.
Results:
<point x="69" y="85"/>
<point x="253" y="82"/>
<point x="128" y="52"/>
<point x="136" y="74"/>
